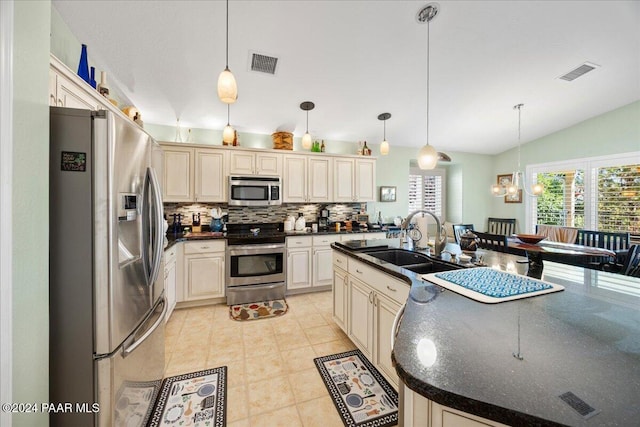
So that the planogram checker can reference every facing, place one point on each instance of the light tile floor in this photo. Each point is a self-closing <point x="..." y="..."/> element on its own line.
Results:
<point x="272" y="379"/>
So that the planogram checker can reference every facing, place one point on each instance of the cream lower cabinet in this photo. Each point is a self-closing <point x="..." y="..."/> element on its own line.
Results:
<point x="170" y="278"/>
<point x="299" y="261"/>
<point x="418" y="411"/>
<point x="366" y="308"/>
<point x="204" y="270"/>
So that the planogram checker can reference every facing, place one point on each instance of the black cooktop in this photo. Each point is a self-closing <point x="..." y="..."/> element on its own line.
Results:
<point x="261" y="233"/>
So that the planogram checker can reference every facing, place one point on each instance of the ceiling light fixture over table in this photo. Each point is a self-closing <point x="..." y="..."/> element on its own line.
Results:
<point x="306" y="139"/>
<point x="384" y="146"/>
<point x="518" y="178"/>
<point x="227" y="87"/>
<point x="428" y="156"/>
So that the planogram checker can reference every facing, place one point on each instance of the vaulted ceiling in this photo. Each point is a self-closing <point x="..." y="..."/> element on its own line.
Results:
<point x="357" y="59"/>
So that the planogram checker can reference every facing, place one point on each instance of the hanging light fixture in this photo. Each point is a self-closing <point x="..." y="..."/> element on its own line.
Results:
<point x="306" y="138"/>
<point x="518" y="178"/>
<point x="427" y="156"/>
<point x="228" y="133"/>
<point x="384" y="146"/>
<point x="227" y="87"/>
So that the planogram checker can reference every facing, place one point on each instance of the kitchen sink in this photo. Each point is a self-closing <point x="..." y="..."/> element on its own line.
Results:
<point x="413" y="261"/>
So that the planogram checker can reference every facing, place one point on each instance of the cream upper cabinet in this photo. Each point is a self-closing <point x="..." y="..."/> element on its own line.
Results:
<point x="177" y="182"/>
<point x="253" y="163"/>
<point x="307" y="179"/>
<point x="63" y="92"/>
<point x="354" y="180"/>
<point x="209" y="174"/>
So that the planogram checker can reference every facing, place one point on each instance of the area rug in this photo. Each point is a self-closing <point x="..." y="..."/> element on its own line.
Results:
<point x="197" y="399"/>
<point x="258" y="310"/>
<point x="360" y="393"/>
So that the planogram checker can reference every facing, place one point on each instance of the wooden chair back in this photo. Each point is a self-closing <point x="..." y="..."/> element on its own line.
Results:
<point x="494" y="242"/>
<point x="504" y="226"/>
<point x="459" y="229"/>
<point x="602" y="239"/>
<point x="632" y="263"/>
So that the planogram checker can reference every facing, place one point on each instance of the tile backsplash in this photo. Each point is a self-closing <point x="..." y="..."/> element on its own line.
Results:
<point x="254" y="215"/>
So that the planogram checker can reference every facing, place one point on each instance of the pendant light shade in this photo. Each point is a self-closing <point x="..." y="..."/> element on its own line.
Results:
<point x="427" y="157"/>
<point x="227" y="87"/>
<point x="228" y="133"/>
<point x="306" y="138"/>
<point x="384" y="146"/>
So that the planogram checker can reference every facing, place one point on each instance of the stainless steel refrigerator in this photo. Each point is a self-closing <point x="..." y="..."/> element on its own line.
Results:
<point x="107" y="304"/>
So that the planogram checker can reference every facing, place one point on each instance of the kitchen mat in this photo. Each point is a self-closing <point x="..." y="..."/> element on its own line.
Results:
<point x="488" y="285"/>
<point x="360" y="393"/>
<point x="258" y="310"/>
<point x="197" y="399"/>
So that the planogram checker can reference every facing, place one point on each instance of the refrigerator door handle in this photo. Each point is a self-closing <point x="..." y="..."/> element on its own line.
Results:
<point x="129" y="347"/>
<point x="158" y="226"/>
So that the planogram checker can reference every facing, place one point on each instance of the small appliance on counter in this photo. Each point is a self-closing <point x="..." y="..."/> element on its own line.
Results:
<point x="362" y="220"/>
<point x="323" y="219"/>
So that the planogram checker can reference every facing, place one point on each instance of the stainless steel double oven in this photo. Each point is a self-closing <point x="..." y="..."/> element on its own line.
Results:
<point x="256" y="263"/>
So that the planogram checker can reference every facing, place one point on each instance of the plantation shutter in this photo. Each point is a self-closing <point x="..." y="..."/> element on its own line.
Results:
<point x="426" y="191"/>
<point x="618" y="201"/>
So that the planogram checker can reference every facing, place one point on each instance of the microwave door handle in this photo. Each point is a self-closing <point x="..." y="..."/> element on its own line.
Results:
<point x="157" y="224"/>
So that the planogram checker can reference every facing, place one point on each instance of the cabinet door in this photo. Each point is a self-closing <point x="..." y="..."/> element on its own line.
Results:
<point x="170" y="287"/>
<point x="177" y="182"/>
<point x="210" y="177"/>
<point x="204" y="276"/>
<point x="343" y="184"/>
<point x="340" y="286"/>
<point x="73" y="96"/>
<point x="322" y="258"/>
<point x="360" y="320"/>
<point x="53" y="89"/>
<point x="365" y="180"/>
<point x="268" y="164"/>
<point x="241" y="163"/>
<point x="319" y="179"/>
<point x="385" y="311"/>
<point x="295" y="179"/>
<point x="299" y="268"/>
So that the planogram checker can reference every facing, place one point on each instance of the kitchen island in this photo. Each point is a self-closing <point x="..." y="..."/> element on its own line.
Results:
<point x="510" y="362"/>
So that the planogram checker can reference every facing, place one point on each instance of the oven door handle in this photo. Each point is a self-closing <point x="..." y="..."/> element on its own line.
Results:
<point x="243" y="249"/>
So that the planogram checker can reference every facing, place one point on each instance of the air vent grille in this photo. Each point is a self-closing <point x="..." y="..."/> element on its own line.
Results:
<point x="580" y="71"/>
<point x="263" y="63"/>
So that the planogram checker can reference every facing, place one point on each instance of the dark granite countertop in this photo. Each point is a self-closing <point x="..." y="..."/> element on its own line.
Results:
<point x="584" y="340"/>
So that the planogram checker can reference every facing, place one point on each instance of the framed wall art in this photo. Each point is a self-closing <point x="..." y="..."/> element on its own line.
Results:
<point x="387" y="194"/>
<point x="513" y="198"/>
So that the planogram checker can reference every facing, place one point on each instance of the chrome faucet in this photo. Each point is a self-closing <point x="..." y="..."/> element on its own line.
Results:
<point x="440" y="239"/>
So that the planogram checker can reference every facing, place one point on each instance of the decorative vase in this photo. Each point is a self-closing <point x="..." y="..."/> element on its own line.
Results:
<point x="83" y="66"/>
<point x="92" y="78"/>
<point x="216" y="224"/>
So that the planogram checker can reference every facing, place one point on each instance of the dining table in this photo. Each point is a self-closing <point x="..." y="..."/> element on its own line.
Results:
<point x="536" y="252"/>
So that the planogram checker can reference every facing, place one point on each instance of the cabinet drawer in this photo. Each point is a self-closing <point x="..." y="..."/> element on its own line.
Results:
<point x="340" y="260"/>
<point x="299" y="241"/>
<point x="381" y="282"/>
<point x="325" y="240"/>
<point x="204" y="246"/>
<point x="170" y="254"/>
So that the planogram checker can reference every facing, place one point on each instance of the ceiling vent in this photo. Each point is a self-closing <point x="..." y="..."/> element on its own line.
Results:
<point x="262" y="63"/>
<point x="578" y="72"/>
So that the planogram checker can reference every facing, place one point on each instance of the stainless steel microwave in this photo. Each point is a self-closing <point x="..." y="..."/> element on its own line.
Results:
<point x="254" y="190"/>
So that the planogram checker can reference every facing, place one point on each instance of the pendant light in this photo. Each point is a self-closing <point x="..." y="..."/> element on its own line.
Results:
<point x="228" y="132"/>
<point x="518" y="179"/>
<point x="384" y="146"/>
<point x="427" y="156"/>
<point x="227" y="87"/>
<point x="306" y="138"/>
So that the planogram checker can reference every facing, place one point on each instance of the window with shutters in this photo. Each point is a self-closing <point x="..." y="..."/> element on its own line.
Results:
<point x="427" y="191"/>
<point x="600" y="193"/>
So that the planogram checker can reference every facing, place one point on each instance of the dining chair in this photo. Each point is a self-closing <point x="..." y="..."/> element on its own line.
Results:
<point x="630" y="266"/>
<point x="494" y="242"/>
<point x="505" y="226"/>
<point x="459" y="229"/>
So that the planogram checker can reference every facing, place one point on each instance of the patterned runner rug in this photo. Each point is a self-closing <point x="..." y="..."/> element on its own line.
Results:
<point x="360" y="393"/>
<point x="197" y="399"/>
<point x="258" y="310"/>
